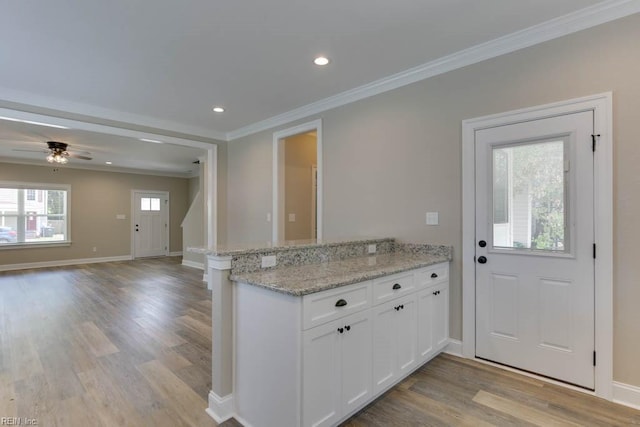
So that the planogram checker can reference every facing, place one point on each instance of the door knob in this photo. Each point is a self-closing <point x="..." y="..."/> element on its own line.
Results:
<point x="482" y="243"/>
<point x="482" y="259"/>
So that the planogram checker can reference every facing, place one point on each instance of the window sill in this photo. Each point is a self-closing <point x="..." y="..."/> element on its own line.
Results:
<point x="6" y="246"/>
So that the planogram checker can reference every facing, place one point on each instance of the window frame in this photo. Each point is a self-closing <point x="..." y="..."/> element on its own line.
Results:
<point x="20" y="185"/>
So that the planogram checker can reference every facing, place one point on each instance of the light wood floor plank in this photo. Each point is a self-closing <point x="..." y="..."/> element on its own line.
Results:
<point x="97" y="341"/>
<point x="177" y="395"/>
<point x="521" y="411"/>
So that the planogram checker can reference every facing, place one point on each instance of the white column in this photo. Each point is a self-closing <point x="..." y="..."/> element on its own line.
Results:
<point x="221" y="406"/>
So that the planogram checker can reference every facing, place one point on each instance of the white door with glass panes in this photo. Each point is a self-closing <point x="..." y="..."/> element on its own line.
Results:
<point x="150" y="224"/>
<point x="535" y="247"/>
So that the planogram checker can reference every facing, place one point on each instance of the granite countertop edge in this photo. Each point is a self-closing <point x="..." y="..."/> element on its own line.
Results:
<point x="283" y="247"/>
<point x="337" y="280"/>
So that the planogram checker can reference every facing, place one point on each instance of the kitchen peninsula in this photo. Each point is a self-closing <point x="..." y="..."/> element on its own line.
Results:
<point x="308" y="333"/>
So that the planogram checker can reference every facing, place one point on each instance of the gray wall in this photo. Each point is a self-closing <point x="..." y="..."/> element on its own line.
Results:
<point x="390" y="158"/>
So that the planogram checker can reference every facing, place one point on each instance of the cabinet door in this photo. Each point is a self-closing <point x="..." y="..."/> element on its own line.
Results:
<point x="406" y="333"/>
<point x="425" y="324"/>
<point x="384" y="345"/>
<point x="441" y="316"/>
<point x="321" y="375"/>
<point x="356" y="361"/>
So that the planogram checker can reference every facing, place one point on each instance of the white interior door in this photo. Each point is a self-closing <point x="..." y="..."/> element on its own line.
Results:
<point x="151" y="224"/>
<point x="535" y="247"/>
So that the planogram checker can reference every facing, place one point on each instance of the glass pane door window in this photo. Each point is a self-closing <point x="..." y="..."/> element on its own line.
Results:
<point x="530" y="183"/>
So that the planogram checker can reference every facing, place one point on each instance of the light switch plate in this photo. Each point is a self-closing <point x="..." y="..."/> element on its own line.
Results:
<point x="372" y="249"/>
<point x="432" y="218"/>
<point x="292" y="217"/>
<point x="268" y="217"/>
<point x="121" y="216"/>
<point x="268" y="261"/>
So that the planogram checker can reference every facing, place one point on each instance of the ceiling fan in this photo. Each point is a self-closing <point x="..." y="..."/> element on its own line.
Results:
<point x="57" y="152"/>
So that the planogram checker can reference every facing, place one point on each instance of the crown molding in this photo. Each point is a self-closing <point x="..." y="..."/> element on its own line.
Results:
<point x="582" y="19"/>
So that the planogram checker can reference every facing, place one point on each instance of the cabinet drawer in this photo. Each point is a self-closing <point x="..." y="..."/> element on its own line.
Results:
<point x="335" y="303"/>
<point x="432" y="275"/>
<point x="390" y="287"/>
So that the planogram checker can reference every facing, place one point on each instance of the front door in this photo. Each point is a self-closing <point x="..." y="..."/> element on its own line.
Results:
<point x="535" y="247"/>
<point x="150" y="224"/>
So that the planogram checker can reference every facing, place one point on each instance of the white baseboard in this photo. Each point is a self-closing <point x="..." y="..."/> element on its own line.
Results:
<point x="626" y="394"/>
<point x="454" y="347"/>
<point x="63" y="262"/>
<point x="178" y="253"/>
<point x="192" y="264"/>
<point x="220" y="408"/>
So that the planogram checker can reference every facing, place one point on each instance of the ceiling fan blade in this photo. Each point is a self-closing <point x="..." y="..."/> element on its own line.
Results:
<point x="77" y="156"/>
<point x="30" y="151"/>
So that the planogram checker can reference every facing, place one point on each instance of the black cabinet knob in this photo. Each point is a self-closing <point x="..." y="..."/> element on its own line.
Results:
<point x="435" y="292"/>
<point x="402" y="307"/>
<point x="482" y="243"/>
<point x="396" y="286"/>
<point x="434" y="275"/>
<point x="482" y="259"/>
<point x="348" y="327"/>
<point x="341" y="330"/>
<point x="341" y="303"/>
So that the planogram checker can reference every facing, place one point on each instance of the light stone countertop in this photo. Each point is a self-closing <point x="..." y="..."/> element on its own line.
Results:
<point x="259" y="247"/>
<point x="311" y="278"/>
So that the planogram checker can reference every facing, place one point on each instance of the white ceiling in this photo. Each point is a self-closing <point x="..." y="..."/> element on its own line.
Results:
<point x="165" y="63"/>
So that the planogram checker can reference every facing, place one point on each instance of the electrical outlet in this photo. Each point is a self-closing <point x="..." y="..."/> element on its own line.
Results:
<point x="268" y="217"/>
<point x="121" y="216"/>
<point x="372" y="248"/>
<point x="432" y="218"/>
<point x="268" y="261"/>
<point x="292" y="217"/>
<point x="95" y="249"/>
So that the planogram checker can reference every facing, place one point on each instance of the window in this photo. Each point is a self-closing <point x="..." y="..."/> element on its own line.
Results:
<point x="29" y="220"/>
<point x="149" y="204"/>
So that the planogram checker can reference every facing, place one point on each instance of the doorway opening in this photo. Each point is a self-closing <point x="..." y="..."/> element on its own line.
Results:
<point x="297" y="183"/>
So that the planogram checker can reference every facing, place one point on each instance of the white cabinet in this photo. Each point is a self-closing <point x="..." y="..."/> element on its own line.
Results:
<point x="433" y="320"/>
<point x="394" y="341"/>
<point x="316" y="360"/>
<point x="336" y="369"/>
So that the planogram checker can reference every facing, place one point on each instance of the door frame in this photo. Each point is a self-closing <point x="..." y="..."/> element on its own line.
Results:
<point x="167" y="216"/>
<point x="278" y="217"/>
<point x="602" y="107"/>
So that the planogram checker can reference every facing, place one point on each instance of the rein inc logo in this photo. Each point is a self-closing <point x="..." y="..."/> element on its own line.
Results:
<point x="18" y="421"/>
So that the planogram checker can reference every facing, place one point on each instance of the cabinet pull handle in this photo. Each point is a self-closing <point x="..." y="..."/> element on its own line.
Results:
<point x="341" y="330"/>
<point x="434" y="275"/>
<point x="396" y="286"/>
<point x="341" y="303"/>
<point x="348" y="328"/>
<point x="396" y="308"/>
<point x="435" y="292"/>
<point x="402" y="307"/>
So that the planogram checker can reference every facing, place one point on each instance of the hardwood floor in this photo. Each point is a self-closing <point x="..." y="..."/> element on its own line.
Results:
<point x="129" y="344"/>
<point x="450" y="391"/>
<point x="115" y="344"/>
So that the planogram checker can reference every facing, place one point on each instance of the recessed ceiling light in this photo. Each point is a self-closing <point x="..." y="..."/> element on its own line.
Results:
<point x="108" y="163"/>
<point x="218" y="109"/>
<point x="321" y="60"/>
<point x="155" y="141"/>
